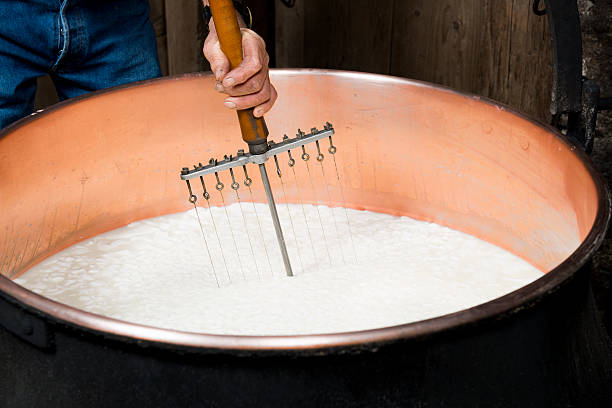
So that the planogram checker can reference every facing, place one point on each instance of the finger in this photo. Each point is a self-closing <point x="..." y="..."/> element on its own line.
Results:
<point x="219" y="64"/>
<point x="253" y="85"/>
<point x="251" y="100"/>
<point x="266" y="106"/>
<point x="254" y="57"/>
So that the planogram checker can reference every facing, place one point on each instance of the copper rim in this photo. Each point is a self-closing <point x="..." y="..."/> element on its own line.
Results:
<point x="505" y="305"/>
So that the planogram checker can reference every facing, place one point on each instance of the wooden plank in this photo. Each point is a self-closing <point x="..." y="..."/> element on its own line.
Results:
<point x="348" y="35"/>
<point x="45" y="93"/>
<point x="536" y="66"/>
<point x="500" y="50"/>
<point x="184" y="36"/>
<point x="493" y="59"/>
<point x="263" y="12"/>
<point x="435" y="41"/>
<point x="517" y="57"/>
<point x="158" y="18"/>
<point x="289" y="35"/>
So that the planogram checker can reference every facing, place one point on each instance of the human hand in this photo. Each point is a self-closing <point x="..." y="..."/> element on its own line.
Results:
<point x="248" y="85"/>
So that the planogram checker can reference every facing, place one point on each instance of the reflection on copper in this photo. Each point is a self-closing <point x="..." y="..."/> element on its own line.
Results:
<point x="404" y="148"/>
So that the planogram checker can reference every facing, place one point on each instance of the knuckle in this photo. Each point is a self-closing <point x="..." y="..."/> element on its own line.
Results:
<point x="232" y="92"/>
<point x="208" y="43"/>
<point x="266" y="93"/>
<point x="211" y="56"/>
<point x="206" y="51"/>
<point x="255" y="65"/>
<point x="257" y="84"/>
<point x="257" y="99"/>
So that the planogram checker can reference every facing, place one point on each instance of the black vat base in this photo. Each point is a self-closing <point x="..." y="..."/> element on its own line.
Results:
<point x="551" y="353"/>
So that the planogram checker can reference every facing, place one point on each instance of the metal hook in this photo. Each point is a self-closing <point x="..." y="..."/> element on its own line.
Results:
<point x="278" y="171"/>
<point x="192" y="197"/>
<point x="205" y="194"/>
<point x="291" y="162"/>
<point x="247" y="179"/>
<point x="235" y="186"/>
<point x="320" y="156"/>
<point x="332" y="148"/>
<point x="305" y="156"/>
<point x="536" y="8"/>
<point x="219" y="185"/>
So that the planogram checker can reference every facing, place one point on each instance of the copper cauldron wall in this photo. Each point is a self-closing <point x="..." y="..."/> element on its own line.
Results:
<point x="405" y="147"/>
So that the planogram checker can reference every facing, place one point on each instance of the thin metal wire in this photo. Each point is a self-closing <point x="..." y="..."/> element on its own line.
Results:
<point x="233" y="236"/>
<point x="263" y="240"/>
<point x="318" y="212"/>
<point x="11" y="258"/>
<point x="332" y="210"/>
<point x="248" y="235"/>
<point x="3" y="260"/>
<point x="5" y="256"/>
<point x="212" y="218"/>
<point x="297" y="185"/>
<point x="22" y="255"/>
<point x="348" y="223"/>
<point x="206" y="244"/>
<point x="38" y="241"/>
<point x="297" y="245"/>
<point x="52" y="229"/>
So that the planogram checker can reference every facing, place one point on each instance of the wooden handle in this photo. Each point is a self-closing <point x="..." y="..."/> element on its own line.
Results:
<point x="254" y="130"/>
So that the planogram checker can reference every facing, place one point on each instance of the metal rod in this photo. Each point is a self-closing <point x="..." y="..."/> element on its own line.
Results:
<point x="247" y="182"/>
<point x="297" y="244"/>
<point x="275" y="220"/>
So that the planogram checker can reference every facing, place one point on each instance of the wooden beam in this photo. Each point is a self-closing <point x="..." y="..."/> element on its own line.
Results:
<point x="289" y="35"/>
<point x="185" y="36"/>
<point x="351" y="35"/>
<point x="158" y="18"/>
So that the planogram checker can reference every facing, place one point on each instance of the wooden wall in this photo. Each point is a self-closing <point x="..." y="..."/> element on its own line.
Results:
<point x="180" y="32"/>
<point x="495" y="48"/>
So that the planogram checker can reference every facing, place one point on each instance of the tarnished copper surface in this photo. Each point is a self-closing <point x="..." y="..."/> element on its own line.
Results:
<point x="404" y="147"/>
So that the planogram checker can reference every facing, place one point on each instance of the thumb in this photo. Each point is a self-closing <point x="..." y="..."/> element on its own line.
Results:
<point x="219" y="64"/>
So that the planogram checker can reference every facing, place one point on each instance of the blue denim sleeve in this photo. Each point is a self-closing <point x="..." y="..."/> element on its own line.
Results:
<point x="85" y="45"/>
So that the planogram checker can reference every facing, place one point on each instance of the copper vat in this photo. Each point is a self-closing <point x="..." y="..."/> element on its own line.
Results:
<point x="99" y="162"/>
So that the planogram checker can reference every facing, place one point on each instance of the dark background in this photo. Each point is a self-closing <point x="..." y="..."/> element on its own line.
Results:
<point x="495" y="48"/>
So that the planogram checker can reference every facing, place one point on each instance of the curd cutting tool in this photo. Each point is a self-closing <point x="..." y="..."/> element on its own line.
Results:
<point x="254" y="133"/>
